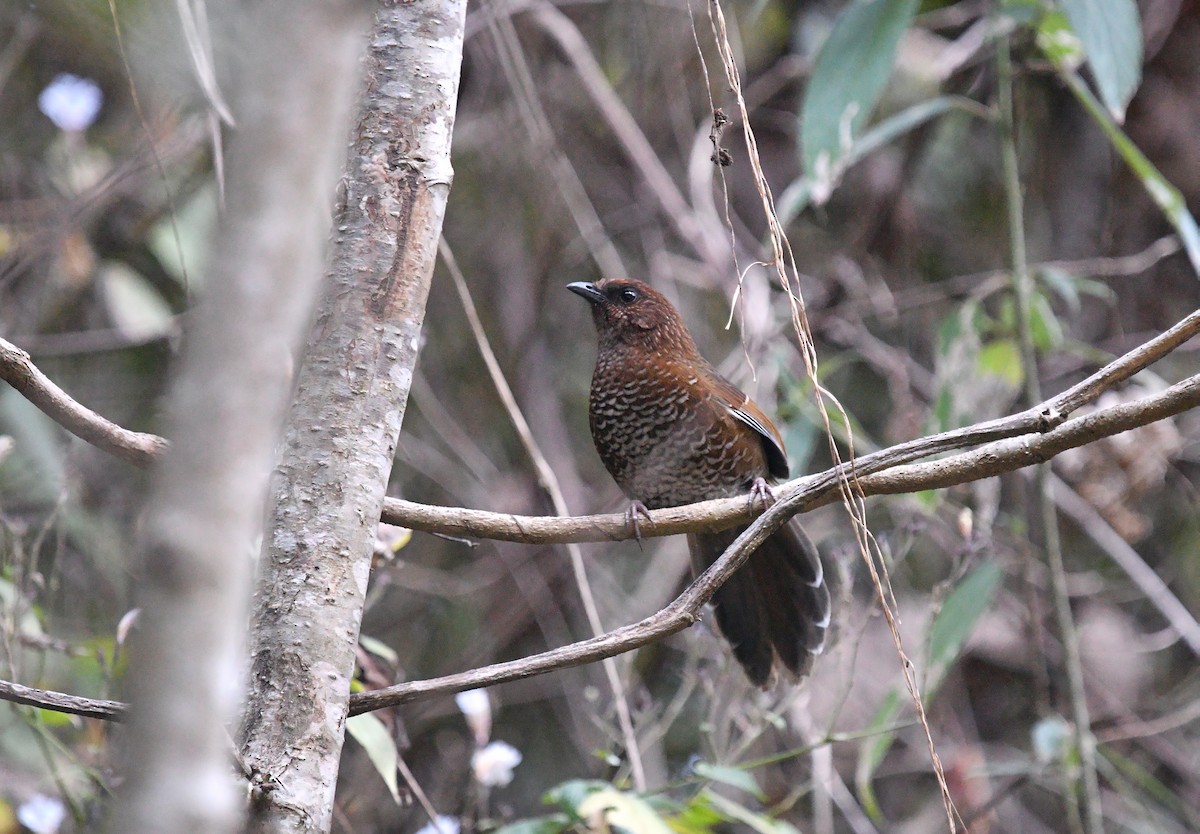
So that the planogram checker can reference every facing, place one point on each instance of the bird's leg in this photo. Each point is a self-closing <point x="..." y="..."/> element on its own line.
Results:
<point x="635" y="509"/>
<point x="760" y="491"/>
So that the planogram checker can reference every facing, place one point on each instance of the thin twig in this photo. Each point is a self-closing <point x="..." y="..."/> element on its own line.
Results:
<point x="784" y="264"/>
<point x="975" y="284"/>
<point x="1116" y="548"/>
<point x="549" y="482"/>
<point x="637" y="147"/>
<point x="546" y="145"/>
<point x="435" y="819"/>
<point x="1051" y="541"/>
<point x="62" y="702"/>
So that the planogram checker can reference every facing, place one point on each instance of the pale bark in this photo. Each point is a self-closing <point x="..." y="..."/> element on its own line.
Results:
<point x="346" y="415"/>
<point x="226" y="408"/>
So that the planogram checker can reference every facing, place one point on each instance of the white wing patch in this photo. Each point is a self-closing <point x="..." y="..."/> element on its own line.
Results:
<point x="776" y="456"/>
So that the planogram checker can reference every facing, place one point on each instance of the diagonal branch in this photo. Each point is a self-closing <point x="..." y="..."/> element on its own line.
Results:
<point x="993" y="459"/>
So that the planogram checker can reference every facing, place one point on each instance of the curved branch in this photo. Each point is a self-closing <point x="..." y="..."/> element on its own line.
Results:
<point x="18" y="370"/>
<point x="806" y="493"/>
<point x="994" y="459"/>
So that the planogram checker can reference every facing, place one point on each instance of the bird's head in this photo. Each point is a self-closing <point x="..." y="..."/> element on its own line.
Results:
<point x="632" y="313"/>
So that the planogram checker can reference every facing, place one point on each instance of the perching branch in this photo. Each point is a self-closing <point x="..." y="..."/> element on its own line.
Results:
<point x="886" y="472"/>
<point x="803" y="494"/>
<point x="710" y="516"/>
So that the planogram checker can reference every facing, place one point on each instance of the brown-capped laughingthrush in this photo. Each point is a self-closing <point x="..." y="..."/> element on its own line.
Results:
<point x="671" y="431"/>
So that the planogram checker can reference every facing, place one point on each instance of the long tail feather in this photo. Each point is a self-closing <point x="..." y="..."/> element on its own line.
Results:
<point x="776" y="607"/>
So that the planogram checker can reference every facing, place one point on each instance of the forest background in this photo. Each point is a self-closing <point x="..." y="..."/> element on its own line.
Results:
<point x="985" y="203"/>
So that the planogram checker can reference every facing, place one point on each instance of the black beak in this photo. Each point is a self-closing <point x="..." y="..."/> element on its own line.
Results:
<point x="586" y="290"/>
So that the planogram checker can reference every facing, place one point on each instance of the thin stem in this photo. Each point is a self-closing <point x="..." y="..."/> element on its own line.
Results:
<point x="549" y="482"/>
<point x="1165" y="195"/>
<point x="1093" y="822"/>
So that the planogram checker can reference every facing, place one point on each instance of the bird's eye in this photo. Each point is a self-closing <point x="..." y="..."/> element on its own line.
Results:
<point x="629" y="295"/>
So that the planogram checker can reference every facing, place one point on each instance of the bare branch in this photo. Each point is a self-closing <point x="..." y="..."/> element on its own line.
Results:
<point x="721" y="514"/>
<point x="62" y="702"/>
<point x="142" y="449"/>
<point x="994" y="459"/>
<point x="18" y="370"/>
<point x="806" y="493"/>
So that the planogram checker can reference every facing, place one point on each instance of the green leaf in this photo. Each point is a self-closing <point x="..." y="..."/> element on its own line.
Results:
<point x="1001" y="358"/>
<point x="1058" y="41"/>
<point x="873" y="751"/>
<point x="1023" y="11"/>
<point x="570" y="795"/>
<point x="929" y="499"/>
<point x="1063" y="284"/>
<point x="181" y="241"/>
<point x="893" y="127"/>
<point x="731" y="776"/>
<point x="52" y="718"/>
<point x="848" y="77"/>
<point x="623" y="810"/>
<point x="697" y="817"/>
<point x="1166" y="196"/>
<point x="1044" y="326"/>
<point x="1111" y="34"/>
<point x="552" y="824"/>
<point x="373" y="737"/>
<point x="943" y="409"/>
<point x="949" y="631"/>
<point x="751" y="819"/>
<point x="799" y="194"/>
<point x="959" y="614"/>
<point x="35" y="469"/>
<point x="136" y="308"/>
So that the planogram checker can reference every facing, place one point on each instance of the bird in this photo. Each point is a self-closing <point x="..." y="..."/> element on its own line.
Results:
<point x="671" y="431"/>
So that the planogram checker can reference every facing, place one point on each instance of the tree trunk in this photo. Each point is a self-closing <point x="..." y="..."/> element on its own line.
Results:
<point x="227" y="406"/>
<point x="346" y="415"/>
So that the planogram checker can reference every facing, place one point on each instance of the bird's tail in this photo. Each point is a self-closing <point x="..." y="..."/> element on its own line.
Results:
<point x="776" y="607"/>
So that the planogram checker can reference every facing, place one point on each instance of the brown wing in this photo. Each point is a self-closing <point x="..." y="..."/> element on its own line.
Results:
<point x="746" y="412"/>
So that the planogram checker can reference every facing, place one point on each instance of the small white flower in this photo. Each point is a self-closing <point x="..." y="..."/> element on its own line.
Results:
<point x="442" y="825"/>
<point x="476" y="707"/>
<point x="1051" y="739"/>
<point x="42" y="814"/>
<point x="474" y="702"/>
<point x="71" y="102"/>
<point x="493" y="765"/>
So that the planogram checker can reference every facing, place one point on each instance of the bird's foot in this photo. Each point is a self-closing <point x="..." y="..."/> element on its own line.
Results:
<point x="635" y="509"/>
<point x="760" y="492"/>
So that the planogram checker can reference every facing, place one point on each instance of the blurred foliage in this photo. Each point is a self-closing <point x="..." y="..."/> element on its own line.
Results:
<point x="876" y="125"/>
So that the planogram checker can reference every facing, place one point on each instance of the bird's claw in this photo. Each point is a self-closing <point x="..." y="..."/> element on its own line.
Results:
<point x="631" y="519"/>
<point x="760" y="491"/>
